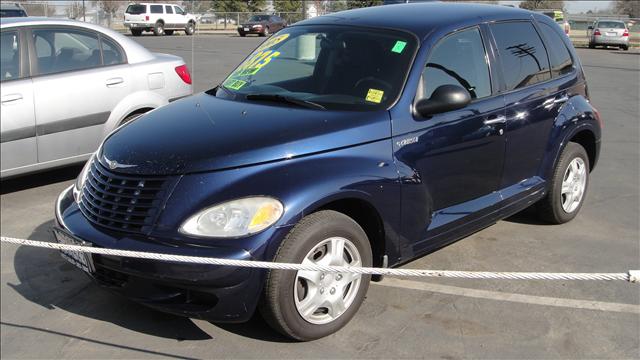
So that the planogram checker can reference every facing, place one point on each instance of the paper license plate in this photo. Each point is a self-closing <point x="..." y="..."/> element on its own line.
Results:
<point x="246" y="29"/>
<point x="80" y="259"/>
<point x="611" y="34"/>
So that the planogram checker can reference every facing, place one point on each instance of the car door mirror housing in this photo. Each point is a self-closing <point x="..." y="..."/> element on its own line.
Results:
<point x="444" y="98"/>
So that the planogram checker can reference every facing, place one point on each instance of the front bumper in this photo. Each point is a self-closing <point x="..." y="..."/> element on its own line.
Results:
<point x="250" y="30"/>
<point x="214" y="293"/>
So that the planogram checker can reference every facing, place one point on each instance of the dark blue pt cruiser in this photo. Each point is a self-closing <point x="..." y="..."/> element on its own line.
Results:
<point x="364" y="138"/>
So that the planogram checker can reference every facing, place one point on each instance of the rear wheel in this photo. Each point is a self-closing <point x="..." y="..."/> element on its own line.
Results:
<point x="265" y="32"/>
<point x="307" y="305"/>
<point x="190" y="28"/>
<point x="624" y="47"/>
<point x="591" y="46"/>
<point x="136" y="32"/>
<point x="168" y="32"/>
<point x="158" y="29"/>
<point x="568" y="186"/>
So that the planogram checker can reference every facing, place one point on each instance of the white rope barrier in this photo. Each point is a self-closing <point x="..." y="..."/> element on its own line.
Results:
<point x="630" y="276"/>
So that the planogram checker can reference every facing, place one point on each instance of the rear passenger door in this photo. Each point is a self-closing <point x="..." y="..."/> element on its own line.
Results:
<point x="17" y="118"/>
<point x="532" y="99"/>
<point x="79" y="78"/>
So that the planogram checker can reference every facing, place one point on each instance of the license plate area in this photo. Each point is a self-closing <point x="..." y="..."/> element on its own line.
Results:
<point x="246" y="29"/>
<point x="611" y="34"/>
<point x="82" y="260"/>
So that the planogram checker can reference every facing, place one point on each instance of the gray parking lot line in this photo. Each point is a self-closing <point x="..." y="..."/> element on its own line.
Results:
<point x="510" y="297"/>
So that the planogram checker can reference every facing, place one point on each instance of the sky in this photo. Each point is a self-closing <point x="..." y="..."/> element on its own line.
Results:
<point x="575" y="7"/>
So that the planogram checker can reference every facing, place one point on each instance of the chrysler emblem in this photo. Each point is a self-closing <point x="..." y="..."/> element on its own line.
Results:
<point x="116" y="165"/>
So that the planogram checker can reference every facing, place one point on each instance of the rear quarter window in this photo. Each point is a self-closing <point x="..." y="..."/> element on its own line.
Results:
<point x="523" y="56"/>
<point x="559" y="56"/>
<point x="136" y="9"/>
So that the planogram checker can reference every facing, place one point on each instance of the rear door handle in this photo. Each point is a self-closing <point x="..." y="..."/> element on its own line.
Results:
<point x="495" y="120"/>
<point x="114" y="81"/>
<point x="561" y="100"/>
<point x="11" y="98"/>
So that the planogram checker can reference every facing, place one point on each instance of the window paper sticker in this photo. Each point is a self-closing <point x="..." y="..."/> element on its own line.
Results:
<point x="374" y="95"/>
<point x="256" y="62"/>
<point x="399" y="46"/>
<point x="234" y="84"/>
<point x="273" y="41"/>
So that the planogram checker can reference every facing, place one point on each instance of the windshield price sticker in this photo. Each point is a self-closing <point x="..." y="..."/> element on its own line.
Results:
<point x="234" y="84"/>
<point x="374" y="95"/>
<point x="399" y="46"/>
<point x="256" y="62"/>
<point x="273" y="41"/>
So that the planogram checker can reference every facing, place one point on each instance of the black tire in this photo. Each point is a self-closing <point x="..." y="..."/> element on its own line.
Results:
<point x="131" y="117"/>
<point x="624" y="47"/>
<point x="136" y="32"/>
<point x="242" y="34"/>
<point x="591" y="46"/>
<point x="190" y="28"/>
<point x="158" y="29"/>
<point x="550" y="208"/>
<point x="265" y="32"/>
<point x="277" y="305"/>
<point x="168" y="32"/>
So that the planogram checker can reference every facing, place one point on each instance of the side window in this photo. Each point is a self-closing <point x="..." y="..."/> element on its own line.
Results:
<point x="156" y="9"/>
<point x="168" y="9"/>
<point x="111" y="54"/>
<point x="561" y="62"/>
<point x="524" y="58"/>
<point x="458" y="59"/>
<point x="9" y="56"/>
<point x="179" y="10"/>
<point x="59" y="50"/>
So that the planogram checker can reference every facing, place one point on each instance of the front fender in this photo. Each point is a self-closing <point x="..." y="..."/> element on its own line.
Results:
<point x="303" y="185"/>
<point x="132" y="102"/>
<point x="576" y="115"/>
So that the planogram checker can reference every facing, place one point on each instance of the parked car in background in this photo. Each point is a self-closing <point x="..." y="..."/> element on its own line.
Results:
<point x="12" y="10"/>
<point x="66" y="84"/>
<point x="294" y="159"/>
<point x="159" y="18"/>
<point x="608" y="33"/>
<point x="208" y="19"/>
<point x="263" y="25"/>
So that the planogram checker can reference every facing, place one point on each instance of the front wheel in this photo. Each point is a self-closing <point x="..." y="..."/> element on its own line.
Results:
<point x="190" y="28"/>
<point x="568" y="186"/>
<point x="308" y="305"/>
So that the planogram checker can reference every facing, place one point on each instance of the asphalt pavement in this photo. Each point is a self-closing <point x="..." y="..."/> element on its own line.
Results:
<point x="49" y="309"/>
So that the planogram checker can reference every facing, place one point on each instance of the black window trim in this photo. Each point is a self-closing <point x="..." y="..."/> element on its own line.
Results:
<point x="33" y="59"/>
<point x="503" y="85"/>
<point x="486" y="44"/>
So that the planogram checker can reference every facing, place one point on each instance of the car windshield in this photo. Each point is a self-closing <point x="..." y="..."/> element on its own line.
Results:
<point x="136" y="9"/>
<point x="259" y="18"/>
<point x="336" y="67"/>
<point x="611" y="24"/>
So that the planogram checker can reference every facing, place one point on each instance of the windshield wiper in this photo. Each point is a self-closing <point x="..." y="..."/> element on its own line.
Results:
<point x="286" y="99"/>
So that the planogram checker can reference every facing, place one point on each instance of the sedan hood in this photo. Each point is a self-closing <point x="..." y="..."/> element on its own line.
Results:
<point x="205" y="133"/>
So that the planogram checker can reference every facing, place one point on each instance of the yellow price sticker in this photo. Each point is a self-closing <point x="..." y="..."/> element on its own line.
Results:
<point x="374" y="95"/>
<point x="273" y="41"/>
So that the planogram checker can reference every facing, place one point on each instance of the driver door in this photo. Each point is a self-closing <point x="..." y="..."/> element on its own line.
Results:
<point x="452" y="160"/>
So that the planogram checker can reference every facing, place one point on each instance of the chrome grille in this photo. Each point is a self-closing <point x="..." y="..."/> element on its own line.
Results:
<point x="121" y="202"/>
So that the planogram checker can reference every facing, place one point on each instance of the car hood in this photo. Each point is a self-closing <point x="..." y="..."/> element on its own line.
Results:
<point x="205" y="133"/>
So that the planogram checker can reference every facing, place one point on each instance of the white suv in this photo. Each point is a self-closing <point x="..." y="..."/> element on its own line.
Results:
<point x="159" y="18"/>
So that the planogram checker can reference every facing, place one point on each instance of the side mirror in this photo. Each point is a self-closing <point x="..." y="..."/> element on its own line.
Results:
<point x="444" y="98"/>
<point x="590" y="27"/>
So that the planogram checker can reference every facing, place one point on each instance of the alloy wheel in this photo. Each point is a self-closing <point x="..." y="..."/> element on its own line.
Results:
<point x="573" y="185"/>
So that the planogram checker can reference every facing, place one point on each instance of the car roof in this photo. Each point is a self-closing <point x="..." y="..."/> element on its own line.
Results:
<point x="420" y="18"/>
<point x="135" y="52"/>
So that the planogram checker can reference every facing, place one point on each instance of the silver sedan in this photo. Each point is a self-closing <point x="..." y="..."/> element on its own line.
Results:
<point x="65" y="85"/>
<point x="608" y="33"/>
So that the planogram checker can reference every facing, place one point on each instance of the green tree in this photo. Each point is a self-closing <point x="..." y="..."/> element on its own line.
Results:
<point x="355" y="4"/>
<point x="541" y="4"/>
<point x="337" y="5"/>
<point x="628" y="7"/>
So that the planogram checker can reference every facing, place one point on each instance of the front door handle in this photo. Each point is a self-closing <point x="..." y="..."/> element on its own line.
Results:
<point x="495" y="120"/>
<point x="114" y="81"/>
<point x="11" y="98"/>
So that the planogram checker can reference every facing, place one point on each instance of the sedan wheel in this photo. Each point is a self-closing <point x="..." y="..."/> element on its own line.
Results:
<point x="573" y="185"/>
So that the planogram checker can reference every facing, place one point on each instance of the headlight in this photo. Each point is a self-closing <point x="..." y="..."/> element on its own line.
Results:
<point x="82" y="178"/>
<point x="234" y="218"/>
<point x="257" y="26"/>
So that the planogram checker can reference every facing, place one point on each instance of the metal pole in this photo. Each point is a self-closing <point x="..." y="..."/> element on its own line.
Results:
<point x="84" y="17"/>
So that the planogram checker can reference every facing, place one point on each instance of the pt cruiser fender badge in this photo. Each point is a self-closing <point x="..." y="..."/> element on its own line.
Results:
<point x="116" y="165"/>
<point x="407" y="141"/>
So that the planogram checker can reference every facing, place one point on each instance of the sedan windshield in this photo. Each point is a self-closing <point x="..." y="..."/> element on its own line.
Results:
<point x="259" y="18"/>
<point x="325" y="67"/>
<point x="611" y="24"/>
